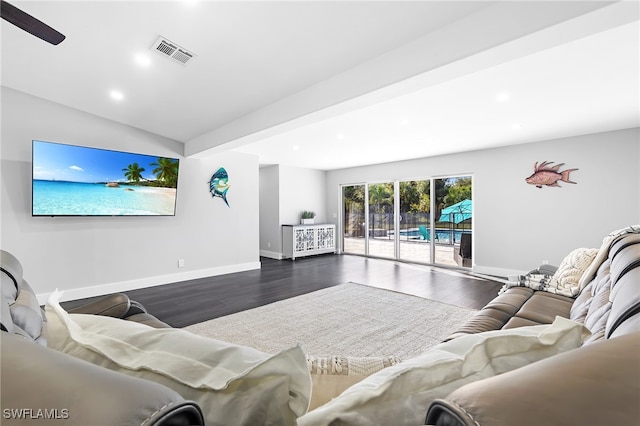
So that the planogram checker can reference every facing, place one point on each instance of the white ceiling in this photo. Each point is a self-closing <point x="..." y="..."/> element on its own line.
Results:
<point x="336" y="84"/>
<point x="586" y="86"/>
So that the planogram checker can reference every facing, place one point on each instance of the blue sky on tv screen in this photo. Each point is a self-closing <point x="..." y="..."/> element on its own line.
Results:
<point x="54" y="161"/>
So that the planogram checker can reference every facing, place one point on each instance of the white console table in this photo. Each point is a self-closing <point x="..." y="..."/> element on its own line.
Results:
<point x="307" y="240"/>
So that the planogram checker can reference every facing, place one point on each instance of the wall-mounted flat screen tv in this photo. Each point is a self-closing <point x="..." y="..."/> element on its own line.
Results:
<point x="71" y="180"/>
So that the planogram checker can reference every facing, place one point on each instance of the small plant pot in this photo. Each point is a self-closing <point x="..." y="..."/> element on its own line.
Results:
<point x="307" y="221"/>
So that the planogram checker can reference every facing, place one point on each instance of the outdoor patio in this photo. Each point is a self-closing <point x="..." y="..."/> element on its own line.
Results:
<point x="412" y="251"/>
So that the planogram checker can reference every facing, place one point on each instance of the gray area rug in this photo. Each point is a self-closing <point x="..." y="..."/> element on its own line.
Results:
<point x="349" y="319"/>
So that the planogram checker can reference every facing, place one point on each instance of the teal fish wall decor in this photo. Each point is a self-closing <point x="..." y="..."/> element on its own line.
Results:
<point x="219" y="185"/>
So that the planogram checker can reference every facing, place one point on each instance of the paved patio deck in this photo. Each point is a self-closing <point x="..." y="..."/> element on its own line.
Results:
<point x="413" y="251"/>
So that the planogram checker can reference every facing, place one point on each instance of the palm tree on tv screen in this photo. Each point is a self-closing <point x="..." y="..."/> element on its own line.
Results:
<point x="133" y="172"/>
<point x="166" y="171"/>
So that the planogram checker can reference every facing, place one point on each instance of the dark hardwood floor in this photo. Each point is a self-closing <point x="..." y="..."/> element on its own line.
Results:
<point x="189" y="302"/>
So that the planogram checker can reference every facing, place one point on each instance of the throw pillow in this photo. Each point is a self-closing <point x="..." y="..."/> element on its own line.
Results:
<point x="332" y="375"/>
<point x="566" y="280"/>
<point x="232" y="384"/>
<point x="400" y="394"/>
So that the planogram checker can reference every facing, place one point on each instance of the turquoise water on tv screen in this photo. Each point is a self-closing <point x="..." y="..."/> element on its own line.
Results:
<point x="59" y="198"/>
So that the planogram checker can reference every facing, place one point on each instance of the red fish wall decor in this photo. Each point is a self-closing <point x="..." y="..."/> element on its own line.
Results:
<point x="548" y="175"/>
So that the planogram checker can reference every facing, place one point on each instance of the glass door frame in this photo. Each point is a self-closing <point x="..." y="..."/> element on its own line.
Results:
<point x="396" y="215"/>
<point x="341" y="219"/>
<point x="394" y="255"/>
<point x="431" y="221"/>
<point x="366" y="219"/>
<point x="396" y="219"/>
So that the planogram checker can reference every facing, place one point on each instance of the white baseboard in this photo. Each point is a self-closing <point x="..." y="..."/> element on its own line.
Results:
<point x="271" y="254"/>
<point x="99" y="290"/>
<point x="499" y="272"/>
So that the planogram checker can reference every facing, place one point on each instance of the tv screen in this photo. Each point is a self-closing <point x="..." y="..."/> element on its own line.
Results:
<point x="70" y="180"/>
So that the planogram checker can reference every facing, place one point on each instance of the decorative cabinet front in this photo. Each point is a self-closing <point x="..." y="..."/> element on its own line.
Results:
<point x="306" y="240"/>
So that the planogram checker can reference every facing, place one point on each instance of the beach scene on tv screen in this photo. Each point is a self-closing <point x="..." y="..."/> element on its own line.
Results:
<point x="71" y="180"/>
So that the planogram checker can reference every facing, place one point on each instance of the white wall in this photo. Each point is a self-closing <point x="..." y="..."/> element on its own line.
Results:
<point x="285" y="192"/>
<point x="90" y="256"/>
<point x="270" y="236"/>
<point x="301" y="189"/>
<point x="517" y="225"/>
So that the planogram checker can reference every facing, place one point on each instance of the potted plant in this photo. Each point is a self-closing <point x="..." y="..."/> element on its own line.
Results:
<point x="306" y="217"/>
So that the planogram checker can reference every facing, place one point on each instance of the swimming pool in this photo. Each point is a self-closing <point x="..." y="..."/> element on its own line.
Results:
<point x="443" y="236"/>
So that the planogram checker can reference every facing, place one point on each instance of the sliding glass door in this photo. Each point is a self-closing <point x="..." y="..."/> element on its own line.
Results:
<point x="381" y="220"/>
<point x="424" y="221"/>
<point x="353" y="219"/>
<point x="454" y="215"/>
<point x="415" y="228"/>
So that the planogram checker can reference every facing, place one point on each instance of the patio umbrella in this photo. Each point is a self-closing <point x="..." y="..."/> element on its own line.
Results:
<point x="457" y="213"/>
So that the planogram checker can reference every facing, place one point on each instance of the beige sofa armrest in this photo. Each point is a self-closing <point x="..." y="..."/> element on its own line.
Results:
<point x="114" y="305"/>
<point x="597" y="384"/>
<point x="119" y="305"/>
<point x="39" y="384"/>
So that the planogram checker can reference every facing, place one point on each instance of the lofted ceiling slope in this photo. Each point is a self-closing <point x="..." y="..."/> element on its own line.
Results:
<point x="286" y="80"/>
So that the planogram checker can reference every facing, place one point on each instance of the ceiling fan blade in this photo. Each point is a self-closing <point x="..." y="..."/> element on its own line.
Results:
<point x="30" y="24"/>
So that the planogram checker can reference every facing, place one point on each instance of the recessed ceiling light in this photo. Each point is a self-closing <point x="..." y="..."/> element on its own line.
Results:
<point x="295" y="147"/>
<point x="516" y="126"/>
<point x="143" y="60"/>
<point x="503" y="97"/>
<point x="404" y="121"/>
<point x="116" y="95"/>
<point x="340" y="136"/>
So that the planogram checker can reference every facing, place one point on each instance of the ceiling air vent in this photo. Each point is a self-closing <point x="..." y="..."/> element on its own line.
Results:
<point x="172" y="51"/>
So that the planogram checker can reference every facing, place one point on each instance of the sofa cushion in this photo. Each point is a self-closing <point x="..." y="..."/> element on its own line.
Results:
<point x="625" y="281"/>
<point x="581" y="304"/>
<point x="21" y="312"/>
<point x="28" y="318"/>
<point x="496" y="313"/>
<point x="629" y="326"/>
<point x="11" y="278"/>
<point x="613" y="295"/>
<point x="487" y="319"/>
<point x="625" y="297"/>
<point x="516" y="322"/>
<point x="597" y="384"/>
<point x="228" y="381"/>
<point x="76" y="392"/>
<point x="543" y="307"/>
<point x="624" y="255"/>
<point x="599" y="305"/>
<point x="333" y="374"/>
<point x="605" y="251"/>
<point x="512" y="300"/>
<point x="400" y="394"/>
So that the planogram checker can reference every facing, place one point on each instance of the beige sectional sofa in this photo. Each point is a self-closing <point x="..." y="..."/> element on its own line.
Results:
<point x="598" y="383"/>
<point x="555" y="354"/>
<point x="43" y="386"/>
<point x="112" y="363"/>
<point x="565" y="352"/>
